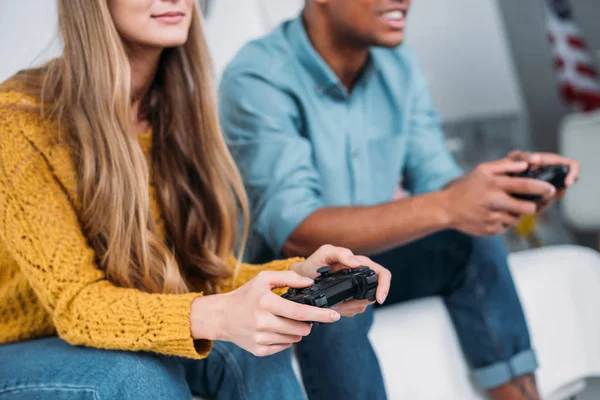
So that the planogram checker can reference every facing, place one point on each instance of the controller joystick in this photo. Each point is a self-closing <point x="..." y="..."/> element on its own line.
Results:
<point x="324" y="271"/>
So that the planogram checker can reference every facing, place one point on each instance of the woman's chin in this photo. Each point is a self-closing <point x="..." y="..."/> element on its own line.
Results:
<point x="168" y="41"/>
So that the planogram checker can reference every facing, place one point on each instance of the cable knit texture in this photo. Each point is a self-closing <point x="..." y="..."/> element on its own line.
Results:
<point x="49" y="281"/>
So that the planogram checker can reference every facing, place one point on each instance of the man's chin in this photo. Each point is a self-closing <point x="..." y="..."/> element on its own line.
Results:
<point x="389" y="45"/>
<point x="390" y="42"/>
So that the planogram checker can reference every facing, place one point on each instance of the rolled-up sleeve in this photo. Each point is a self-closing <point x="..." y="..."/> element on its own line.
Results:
<point x="429" y="166"/>
<point x="262" y="125"/>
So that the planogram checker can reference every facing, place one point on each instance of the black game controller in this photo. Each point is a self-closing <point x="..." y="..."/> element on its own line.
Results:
<point x="553" y="174"/>
<point x="330" y="289"/>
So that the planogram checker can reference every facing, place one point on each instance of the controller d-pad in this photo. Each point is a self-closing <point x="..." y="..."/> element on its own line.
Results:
<point x="309" y="290"/>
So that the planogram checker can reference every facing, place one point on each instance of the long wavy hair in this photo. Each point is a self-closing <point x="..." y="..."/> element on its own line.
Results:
<point x="87" y="92"/>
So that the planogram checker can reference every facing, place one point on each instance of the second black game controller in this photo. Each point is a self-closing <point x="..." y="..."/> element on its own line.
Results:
<point x="553" y="174"/>
<point x="330" y="289"/>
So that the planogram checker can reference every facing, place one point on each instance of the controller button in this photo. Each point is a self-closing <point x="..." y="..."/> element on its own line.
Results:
<point x="324" y="271"/>
<point x="371" y="295"/>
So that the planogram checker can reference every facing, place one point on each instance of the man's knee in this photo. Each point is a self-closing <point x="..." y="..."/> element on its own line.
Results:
<point x="486" y="260"/>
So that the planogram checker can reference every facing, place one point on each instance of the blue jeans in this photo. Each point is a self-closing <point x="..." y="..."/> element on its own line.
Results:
<point x="51" y="369"/>
<point x="471" y="274"/>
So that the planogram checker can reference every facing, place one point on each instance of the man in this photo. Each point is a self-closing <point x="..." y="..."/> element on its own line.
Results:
<point x="325" y="116"/>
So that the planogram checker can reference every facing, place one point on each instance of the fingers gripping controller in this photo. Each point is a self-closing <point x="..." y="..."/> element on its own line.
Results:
<point x="330" y="288"/>
<point x="553" y="174"/>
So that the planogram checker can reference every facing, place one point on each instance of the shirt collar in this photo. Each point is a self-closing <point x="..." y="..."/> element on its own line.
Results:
<point x="322" y="74"/>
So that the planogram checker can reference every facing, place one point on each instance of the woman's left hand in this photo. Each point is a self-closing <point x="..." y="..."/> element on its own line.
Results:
<point x="339" y="258"/>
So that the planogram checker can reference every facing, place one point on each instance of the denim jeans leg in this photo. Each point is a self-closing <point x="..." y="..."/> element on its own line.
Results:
<point x="489" y="319"/>
<point x="473" y="277"/>
<point x="230" y="372"/>
<point x="51" y="369"/>
<point x="338" y="361"/>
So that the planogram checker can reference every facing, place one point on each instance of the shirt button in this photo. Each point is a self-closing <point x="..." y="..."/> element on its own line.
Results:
<point x="355" y="154"/>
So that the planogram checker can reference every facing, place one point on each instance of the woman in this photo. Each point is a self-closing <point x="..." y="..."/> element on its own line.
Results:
<point x="118" y="222"/>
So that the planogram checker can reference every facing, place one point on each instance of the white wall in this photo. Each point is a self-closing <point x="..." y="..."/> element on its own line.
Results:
<point x="465" y="53"/>
<point x="27" y="34"/>
<point x="461" y="43"/>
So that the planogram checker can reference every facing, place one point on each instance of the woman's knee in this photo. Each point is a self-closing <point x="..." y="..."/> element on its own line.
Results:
<point x="144" y="376"/>
<point x="55" y="369"/>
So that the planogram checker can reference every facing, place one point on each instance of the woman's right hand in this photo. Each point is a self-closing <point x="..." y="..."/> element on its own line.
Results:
<point x="255" y="318"/>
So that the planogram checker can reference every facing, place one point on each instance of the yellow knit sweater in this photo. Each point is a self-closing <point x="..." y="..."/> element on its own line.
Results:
<point x="49" y="282"/>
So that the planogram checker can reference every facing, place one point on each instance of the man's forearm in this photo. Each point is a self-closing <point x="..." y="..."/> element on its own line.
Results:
<point x="370" y="230"/>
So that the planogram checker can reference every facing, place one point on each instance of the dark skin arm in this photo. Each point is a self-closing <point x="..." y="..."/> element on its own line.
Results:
<point x="369" y="230"/>
<point x="479" y="204"/>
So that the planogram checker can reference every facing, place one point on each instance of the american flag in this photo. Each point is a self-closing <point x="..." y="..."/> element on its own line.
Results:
<point x="577" y="73"/>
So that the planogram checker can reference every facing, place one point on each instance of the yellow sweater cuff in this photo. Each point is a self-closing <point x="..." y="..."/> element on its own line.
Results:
<point x="170" y="329"/>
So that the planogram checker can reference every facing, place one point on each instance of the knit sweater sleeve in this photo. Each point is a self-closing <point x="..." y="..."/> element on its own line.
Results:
<point x="40" y="227"/>
<point x="249" y="271"/>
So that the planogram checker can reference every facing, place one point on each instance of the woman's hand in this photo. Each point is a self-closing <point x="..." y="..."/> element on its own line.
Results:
<point x="256" y="319"/>
<point x="339" y="258"/>
<point x="263" y="323"/>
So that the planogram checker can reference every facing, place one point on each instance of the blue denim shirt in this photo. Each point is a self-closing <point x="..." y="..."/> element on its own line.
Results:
<point x="302" y="141"/>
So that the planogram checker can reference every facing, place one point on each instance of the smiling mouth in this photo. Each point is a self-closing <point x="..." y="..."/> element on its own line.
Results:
<point x="394" y="19"/>
<point x="395" y="15"/>
<point x="169" y="17"/>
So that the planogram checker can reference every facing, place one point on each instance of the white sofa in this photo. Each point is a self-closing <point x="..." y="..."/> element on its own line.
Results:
<point x="416" y="342"/>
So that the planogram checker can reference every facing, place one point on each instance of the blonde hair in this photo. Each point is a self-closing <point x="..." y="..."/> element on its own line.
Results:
<point x="199" y="189"/>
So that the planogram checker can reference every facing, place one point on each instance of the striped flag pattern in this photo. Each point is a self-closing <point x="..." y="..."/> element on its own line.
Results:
<point x="574" y="64"/>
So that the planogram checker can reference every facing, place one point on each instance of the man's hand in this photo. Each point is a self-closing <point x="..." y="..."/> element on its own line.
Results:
<point x="482" y="202"/>
<point x="536" y="160"/>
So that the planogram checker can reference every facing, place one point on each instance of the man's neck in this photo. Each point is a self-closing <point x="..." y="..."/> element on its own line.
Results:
<point x="345" y="59"/>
